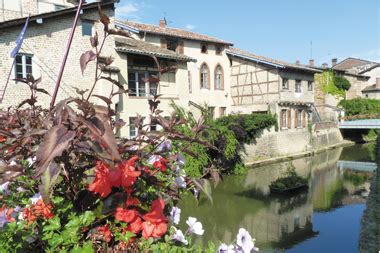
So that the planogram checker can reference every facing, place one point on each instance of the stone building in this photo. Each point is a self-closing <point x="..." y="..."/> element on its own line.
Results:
<point x="12" y="9"/>
<point x="43" y="49"/>
<point x="207" y="81"/>
<point x="261" y="84"/>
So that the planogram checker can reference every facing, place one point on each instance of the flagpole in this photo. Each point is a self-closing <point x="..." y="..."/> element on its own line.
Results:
<point x="66" y="55"/>
<point x="9" y="77"/>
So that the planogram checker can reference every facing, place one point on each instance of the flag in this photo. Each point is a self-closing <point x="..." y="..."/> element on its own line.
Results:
<point x="19" y="39"/>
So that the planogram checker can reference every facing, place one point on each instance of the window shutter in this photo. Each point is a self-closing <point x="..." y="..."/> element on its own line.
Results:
<point x="289" y="118"/>
<point x="304" y="119"/>
<point x="282" y="119"/>
<point x="163" y="43"/>
<point x="180" y="47"/>
<point x="296" y="118"/>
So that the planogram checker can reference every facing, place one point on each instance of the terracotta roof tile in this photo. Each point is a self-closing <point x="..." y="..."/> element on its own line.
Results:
<point x="250" y="56"/>
<point x="174" y="32"/>
<point x="129" y="45"/>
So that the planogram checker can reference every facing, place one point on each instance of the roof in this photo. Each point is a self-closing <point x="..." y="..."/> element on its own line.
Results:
<point x="261" y="59"/>
<point x="351" y="63"/>
<point x="130" y="45"/>
<point x="169" y="31"/>
<point x="371" y="88"/>
<point x="370" y="68"/>
<point x="21" y="21"/>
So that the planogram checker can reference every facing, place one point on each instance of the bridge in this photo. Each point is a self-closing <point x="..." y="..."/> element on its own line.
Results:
<point x="360" y="124"/>
<point x="358" y="166"/>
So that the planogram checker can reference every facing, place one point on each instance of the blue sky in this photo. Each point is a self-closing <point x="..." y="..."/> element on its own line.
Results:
<point x="280" y="29"/>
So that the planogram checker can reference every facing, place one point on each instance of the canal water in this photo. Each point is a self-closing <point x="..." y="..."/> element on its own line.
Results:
<point x="326" y="218"/>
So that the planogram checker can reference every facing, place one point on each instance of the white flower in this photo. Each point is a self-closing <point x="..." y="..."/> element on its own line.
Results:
<point x="4" y="187"/>
<point x="244" y="240"/>
<point x="31" y="160"/>
<point x="175" y="214"/>
<point x="35" y="198"/>
<point x="178" y="236"/>
<point x="195" y="226"/>
<point x="20" y="189"/>
<point x="180" y="182"/>
<point x="154" y="158"/>
<point x="164" y="146"/>
<point x="224" y="248"/>
<point x="12" y="163"/>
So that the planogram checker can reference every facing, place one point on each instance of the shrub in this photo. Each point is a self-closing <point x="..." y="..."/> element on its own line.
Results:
<point x="360" y="106"/>
<point x="341" y="82"/>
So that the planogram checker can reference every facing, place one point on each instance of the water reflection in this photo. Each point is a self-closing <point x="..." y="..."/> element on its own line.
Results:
<point x="278" y="222"/>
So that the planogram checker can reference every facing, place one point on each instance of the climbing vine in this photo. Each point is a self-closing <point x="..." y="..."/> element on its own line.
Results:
<point x="333" y="84"/>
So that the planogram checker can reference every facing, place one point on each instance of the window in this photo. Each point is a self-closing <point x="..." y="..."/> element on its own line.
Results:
<point x="298" y="86"/>
<point x="219" y="78"/>
<point x="283" y="119"/>
<point x="211" y="111"/>
<point x="285" y="83"/>
<point x="172" y="45"/>
<point x="23" y="65"/>
<point x="153" y="124"/>
<point x="299" y="118"/>
<point x="87" y="28"/>
<point x="222" y="111"/>
<point x="310" y="86"/>
<point x="204" y="77"/>
<point x="218" y="50"/>
<point x="203" y="48"/>
<point x="137" y="85"/>
<point x="132" y="127"/>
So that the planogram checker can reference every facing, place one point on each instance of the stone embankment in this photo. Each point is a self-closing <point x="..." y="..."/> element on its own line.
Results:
<point x="370" y="225"/>
<point x="276" y="146"/>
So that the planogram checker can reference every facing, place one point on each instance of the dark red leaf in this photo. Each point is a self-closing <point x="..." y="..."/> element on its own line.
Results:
<point x="55" y="142"/>
<point x="105" y="99"/>
<point x="94" y="40"/>
<point x="86" y="58"/>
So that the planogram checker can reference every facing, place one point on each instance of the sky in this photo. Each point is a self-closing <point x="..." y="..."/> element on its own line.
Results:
<point x="286" y="30"/>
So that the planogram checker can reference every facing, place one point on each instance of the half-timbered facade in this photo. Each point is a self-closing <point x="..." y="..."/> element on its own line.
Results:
<point x="261" y="84"/>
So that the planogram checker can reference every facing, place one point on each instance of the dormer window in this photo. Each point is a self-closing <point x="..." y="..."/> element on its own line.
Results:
<point x="204" y="48"/>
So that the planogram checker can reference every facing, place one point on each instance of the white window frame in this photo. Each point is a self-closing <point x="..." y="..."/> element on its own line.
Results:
<point x="132" y="128"/>
<point x="24" y="65"/>
<point x="285" y="84"/>
<point x="142" y="86"/>
<point x="299" y="118"/>
<point x="310" y="85"/>
<point x="219" y="78"/>
<point x="284" y="123"/>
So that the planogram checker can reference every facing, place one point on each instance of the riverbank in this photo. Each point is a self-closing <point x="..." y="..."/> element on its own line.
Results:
<point x="266" y="161"/>
<point x="370" y="224"/>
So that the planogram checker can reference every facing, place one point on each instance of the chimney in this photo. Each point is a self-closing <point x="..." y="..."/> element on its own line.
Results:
<point x="334" y="61"/>
<point x="325" y="65"/>
<point x="298" y="62"/>
<point x="311" y="62"/>
<point x="162" y="23"/>
<point x="377" y="85"/>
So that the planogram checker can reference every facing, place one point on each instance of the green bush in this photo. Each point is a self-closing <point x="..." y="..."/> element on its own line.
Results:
<point x="341" y="83"/>
<point x="360" y="106"/>
<point x="227" y="134"/>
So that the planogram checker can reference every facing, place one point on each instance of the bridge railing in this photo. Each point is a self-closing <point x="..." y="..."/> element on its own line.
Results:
<point x="361" y="116"/>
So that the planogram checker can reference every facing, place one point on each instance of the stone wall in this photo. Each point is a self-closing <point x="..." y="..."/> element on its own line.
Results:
<point x="274" y="144"/>
<point x="46" y="43"/>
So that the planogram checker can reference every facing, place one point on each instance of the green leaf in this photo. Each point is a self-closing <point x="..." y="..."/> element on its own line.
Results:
<point x="53" y="224"/>
<point x="87" y="248"/>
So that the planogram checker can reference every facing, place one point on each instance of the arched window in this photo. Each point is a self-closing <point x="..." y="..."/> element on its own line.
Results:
<point x="205" y="77"/>
<point x="219" y="78"/>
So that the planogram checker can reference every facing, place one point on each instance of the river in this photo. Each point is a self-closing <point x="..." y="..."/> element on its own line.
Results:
<point x="326" y="218"/>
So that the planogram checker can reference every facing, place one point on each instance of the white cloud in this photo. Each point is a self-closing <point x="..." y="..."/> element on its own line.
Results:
<point x="189" y="27"/>
<point x="127" y="11"/>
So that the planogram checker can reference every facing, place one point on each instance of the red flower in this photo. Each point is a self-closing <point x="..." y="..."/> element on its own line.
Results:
<point x="161" y="164"/>
<point x="128" y="172"/>
<point x="105" y="231"/>
<point x="132" y="202"/>
<point x="154" y="224"/>
<point x="125" y="215"/>
<point x="3" y="138"/>
<point x="101" y="184"/>
<point x="38" y="210"/>
<point x="135" y="226"/>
